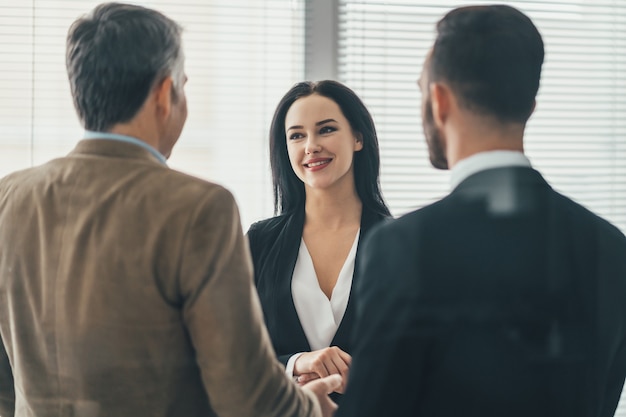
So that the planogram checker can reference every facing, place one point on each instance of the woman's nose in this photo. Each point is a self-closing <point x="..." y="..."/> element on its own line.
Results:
<point x="312" y="145"/>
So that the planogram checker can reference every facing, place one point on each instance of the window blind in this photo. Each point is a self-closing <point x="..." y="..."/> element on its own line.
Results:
<point x="577" y="136"/>
<point x="241" y="57"/>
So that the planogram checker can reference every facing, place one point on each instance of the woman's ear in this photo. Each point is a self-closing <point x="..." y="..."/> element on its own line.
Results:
<point x="358" y="144"/>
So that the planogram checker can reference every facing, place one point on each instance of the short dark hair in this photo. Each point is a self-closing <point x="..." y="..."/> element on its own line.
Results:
<point x="289" y="194"/>
<point x="491" y="56"/>
<point x="114" y="56"/>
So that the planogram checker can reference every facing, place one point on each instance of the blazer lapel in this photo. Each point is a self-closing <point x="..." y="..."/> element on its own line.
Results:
<point x="292" y="332"/>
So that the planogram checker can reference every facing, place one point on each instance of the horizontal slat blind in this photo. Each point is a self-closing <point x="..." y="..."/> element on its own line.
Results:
<point x="577" y="136"/>
<point x="241" y="57"/>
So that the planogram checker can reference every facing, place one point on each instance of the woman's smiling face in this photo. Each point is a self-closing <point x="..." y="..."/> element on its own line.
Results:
<point x="320" y="143"/>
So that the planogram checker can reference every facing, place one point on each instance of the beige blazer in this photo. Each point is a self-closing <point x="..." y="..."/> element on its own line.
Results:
<point x="126" y="290"/>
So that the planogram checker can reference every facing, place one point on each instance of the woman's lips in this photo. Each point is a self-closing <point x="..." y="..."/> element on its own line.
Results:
<point x="317" y="164"/>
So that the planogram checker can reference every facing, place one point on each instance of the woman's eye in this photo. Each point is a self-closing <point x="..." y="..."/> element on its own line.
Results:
<point x="296" y="136"/>
<point x="327" y="129"/>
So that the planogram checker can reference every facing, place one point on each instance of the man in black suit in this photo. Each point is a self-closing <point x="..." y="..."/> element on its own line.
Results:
<point x="505" y="298"/>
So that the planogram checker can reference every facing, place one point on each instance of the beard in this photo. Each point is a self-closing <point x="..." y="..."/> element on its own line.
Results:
<point x="434" y="140"/>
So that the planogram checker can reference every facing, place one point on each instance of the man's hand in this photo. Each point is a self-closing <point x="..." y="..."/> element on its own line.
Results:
<point x="320" y="363"/>
<point x="321" y="387"/>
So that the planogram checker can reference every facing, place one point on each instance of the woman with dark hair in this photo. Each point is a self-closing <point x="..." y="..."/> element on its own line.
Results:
<point x="325" y="165"/>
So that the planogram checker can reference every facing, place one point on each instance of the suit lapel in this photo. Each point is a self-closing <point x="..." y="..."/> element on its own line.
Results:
<point x="344" y="332"/>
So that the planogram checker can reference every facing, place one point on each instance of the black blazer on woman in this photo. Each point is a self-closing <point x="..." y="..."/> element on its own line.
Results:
<point x="274" y="244"/>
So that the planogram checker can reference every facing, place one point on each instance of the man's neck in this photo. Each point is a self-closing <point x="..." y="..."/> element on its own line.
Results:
<point x="482" y="136"/>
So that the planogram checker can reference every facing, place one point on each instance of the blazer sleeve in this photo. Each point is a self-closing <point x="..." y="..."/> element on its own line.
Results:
<point x="7" y="390"/>
<point x="612" y="270"/>
<point x="388" y="354"/>
<point x="615" y="383"/>
<point x="223" y="315"/>
<point x="285" y="358"/>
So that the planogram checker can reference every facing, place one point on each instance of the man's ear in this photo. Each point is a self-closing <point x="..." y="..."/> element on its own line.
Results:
<point x="441" y="101"/>
<point x="532" y="110"/>
<point x="163" y="92"/>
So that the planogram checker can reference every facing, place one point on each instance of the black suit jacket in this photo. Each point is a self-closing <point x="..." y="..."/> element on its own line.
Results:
<point x="503" y="299"/>
<point x="274" y="244"/>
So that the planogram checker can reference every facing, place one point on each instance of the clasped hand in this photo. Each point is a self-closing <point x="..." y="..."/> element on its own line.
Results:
<point x="320" y="363"/>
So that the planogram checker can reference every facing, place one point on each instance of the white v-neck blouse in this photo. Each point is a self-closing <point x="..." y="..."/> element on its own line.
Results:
<point x="319" y="316"/>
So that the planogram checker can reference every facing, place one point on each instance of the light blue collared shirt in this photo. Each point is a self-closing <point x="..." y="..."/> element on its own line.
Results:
<point x="486" y="160"/>
<point x="89" y="134"/>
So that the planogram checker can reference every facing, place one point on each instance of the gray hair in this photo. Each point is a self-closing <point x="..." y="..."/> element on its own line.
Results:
<point x="115" y="55"/>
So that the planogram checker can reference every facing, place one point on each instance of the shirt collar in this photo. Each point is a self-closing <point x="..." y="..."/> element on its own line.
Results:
<point x="89" y="134"/>
<point x="486" y="160"/>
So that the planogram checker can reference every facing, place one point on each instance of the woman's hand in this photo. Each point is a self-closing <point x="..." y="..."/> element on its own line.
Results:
<point x="320" y="363"/>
